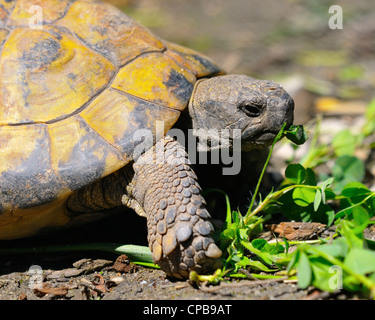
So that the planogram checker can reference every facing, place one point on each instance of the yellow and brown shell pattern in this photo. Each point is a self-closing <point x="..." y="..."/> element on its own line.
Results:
<point x="77" y="78"/>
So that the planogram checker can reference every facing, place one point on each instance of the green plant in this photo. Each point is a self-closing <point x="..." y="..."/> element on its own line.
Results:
<point x="346" y="260"/>
<point x="343" y="263"/>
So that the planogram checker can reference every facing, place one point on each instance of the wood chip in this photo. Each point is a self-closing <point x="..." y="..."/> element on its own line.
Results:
<point x="297" y="230"/>
<point x="46" y="288"/>
<point x="22" y="296"/>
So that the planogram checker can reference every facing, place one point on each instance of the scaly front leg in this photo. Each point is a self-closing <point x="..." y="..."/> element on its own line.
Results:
<point x="165" y="190"/>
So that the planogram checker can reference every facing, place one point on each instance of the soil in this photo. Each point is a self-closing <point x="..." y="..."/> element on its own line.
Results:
<point x="77" y="275"/>
<point x="105" y="276"/>
<point x="80" y="283"/>
<point x="288" y="41"/>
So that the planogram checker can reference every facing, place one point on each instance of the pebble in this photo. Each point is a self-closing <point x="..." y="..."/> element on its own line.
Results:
<point x="116" y="280"/>
<point x="66" y="273"/>
<point x="89" y="265"/>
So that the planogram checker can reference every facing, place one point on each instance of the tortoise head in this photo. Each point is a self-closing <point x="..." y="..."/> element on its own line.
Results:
<point x="259" y="108"/>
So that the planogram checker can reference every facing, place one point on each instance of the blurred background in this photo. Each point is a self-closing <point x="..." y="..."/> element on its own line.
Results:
<point x="330" y="71"/>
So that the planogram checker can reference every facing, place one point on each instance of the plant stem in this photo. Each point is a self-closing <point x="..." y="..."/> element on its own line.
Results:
<point x="278" y="137"/>
<point x="273" y="197"/>
<point x="257" y="276"/>
<point x="342" y="212"/>
<point x="363" y="279"/>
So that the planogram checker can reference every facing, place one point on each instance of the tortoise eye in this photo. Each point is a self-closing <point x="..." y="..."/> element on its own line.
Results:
<point x="251" y="110"/>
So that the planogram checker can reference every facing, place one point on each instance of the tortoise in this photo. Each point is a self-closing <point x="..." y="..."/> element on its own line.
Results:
<point x="83" y="87"/>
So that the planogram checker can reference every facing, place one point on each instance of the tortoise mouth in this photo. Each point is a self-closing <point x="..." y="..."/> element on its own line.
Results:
<point x="267" y="137"/>
<point x="256" y="140"/>
<point x="255" y="136"/>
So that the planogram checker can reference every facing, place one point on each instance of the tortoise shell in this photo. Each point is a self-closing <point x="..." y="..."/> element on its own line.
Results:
<point x="73" y="91"/>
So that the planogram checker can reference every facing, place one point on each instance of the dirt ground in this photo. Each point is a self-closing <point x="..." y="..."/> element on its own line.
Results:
<point x="288" y="41"/>
<point x="86" y="283"/>
<point x="104" y="276"/>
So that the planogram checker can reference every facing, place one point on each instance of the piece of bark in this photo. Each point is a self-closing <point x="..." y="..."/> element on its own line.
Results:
<point x="297" y="230"/>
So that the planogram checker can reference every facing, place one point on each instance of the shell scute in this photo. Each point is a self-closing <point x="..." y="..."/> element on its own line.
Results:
<point x="26" y="176"/>
<point x="121" y="119"/>
<point x="75" y="147"/>
<point x="165" y="83"/>
<point x="192" y="60"/>
<point x="35" y="13"/>
<point x="47" y="74"/>
<point x="6" y="8"/>
<point x="108" y="31"/>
